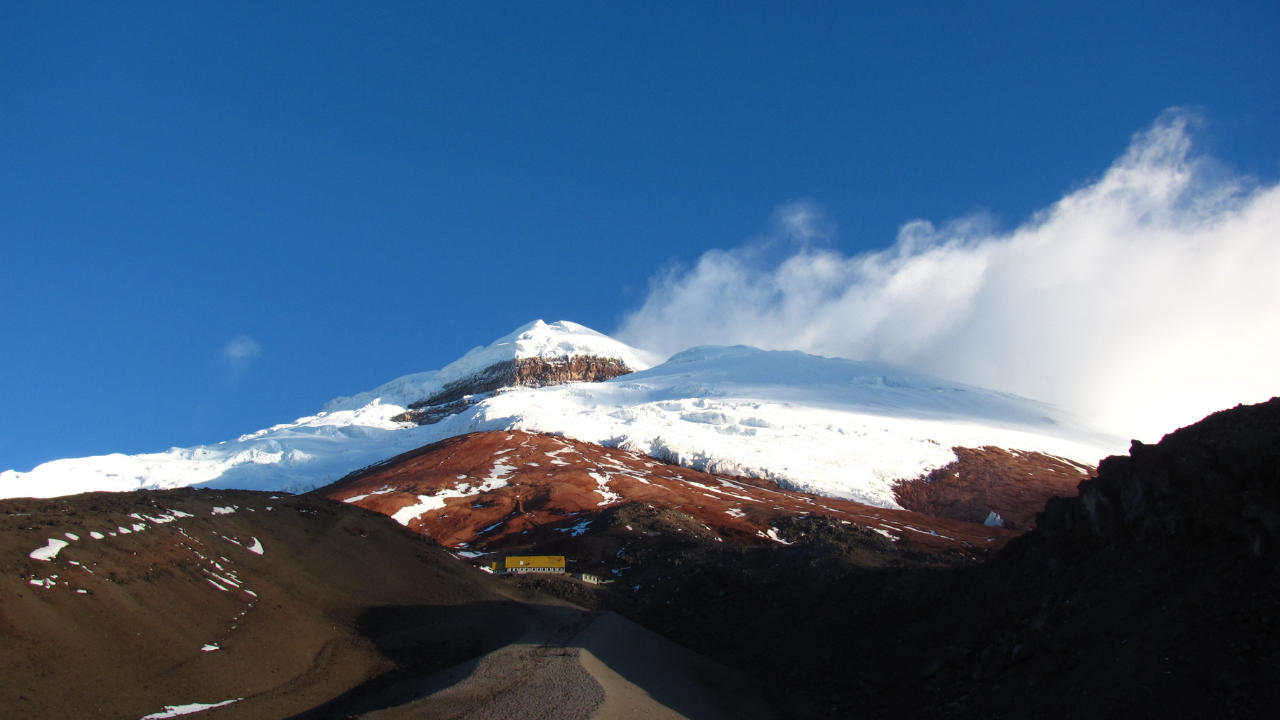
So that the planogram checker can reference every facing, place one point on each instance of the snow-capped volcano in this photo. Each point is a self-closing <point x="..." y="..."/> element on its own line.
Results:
<point x="837" y="427"/>
<point x="826" y="425"/>
<point x="538" y="340"/>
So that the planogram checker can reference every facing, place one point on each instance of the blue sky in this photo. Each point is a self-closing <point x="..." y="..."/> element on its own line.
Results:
<point x="216" y="216"/>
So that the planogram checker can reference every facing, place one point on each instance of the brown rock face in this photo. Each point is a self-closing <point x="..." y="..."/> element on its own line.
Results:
<point x="493" y="491"/>
<point x="1013" y="484"/>
<point x="525" y="372"/>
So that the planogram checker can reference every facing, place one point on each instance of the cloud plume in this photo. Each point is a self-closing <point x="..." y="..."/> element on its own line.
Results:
<point x="1140" y="302"/>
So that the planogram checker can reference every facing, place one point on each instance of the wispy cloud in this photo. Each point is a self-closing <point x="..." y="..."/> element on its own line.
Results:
<point x="240" y="352"/>
<point x="1141" y="301"/>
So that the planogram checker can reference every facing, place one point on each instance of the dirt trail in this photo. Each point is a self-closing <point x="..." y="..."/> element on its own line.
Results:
<point x="591" y="666"/>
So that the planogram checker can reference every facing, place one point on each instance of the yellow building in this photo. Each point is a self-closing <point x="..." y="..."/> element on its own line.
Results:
<point x="530" y="564"/>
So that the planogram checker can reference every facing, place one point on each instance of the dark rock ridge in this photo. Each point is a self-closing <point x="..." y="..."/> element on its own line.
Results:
<point x="523" y="372"/>
<point x="1013" y="484"/>
<point x="1217" y="480"/>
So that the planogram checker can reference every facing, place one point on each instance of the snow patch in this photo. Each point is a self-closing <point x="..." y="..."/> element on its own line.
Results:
<point x="176" y="710"/>
<point x="358" y="498"/>
<point x="427" y="503"/>
<point x="773" y="535"/>
<point x="602" y="487"/>
<point x="576" y="530"/>
<point x="49" y="551"/>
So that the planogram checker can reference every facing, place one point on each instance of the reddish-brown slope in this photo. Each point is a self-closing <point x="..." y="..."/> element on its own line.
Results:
<point x="1011" y="483"/>
<point x="515" y="489"/>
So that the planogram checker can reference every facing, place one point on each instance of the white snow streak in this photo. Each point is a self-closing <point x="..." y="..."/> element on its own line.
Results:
<point x="176" y="710"/>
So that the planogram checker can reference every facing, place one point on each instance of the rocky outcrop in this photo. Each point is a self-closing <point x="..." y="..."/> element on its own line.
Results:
<point x="1002" y="488"/>
<point x="1216" y="480"/>
<point x="523" y="372"/>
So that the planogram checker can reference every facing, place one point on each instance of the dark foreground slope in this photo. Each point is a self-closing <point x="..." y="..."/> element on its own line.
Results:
<point x="292" y="606"/>
<point x="1154" y="593"/>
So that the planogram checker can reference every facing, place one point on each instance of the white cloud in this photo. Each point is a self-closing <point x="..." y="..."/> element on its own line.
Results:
<point x="1142" y="301"/>
<point x="241" y="351"/>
